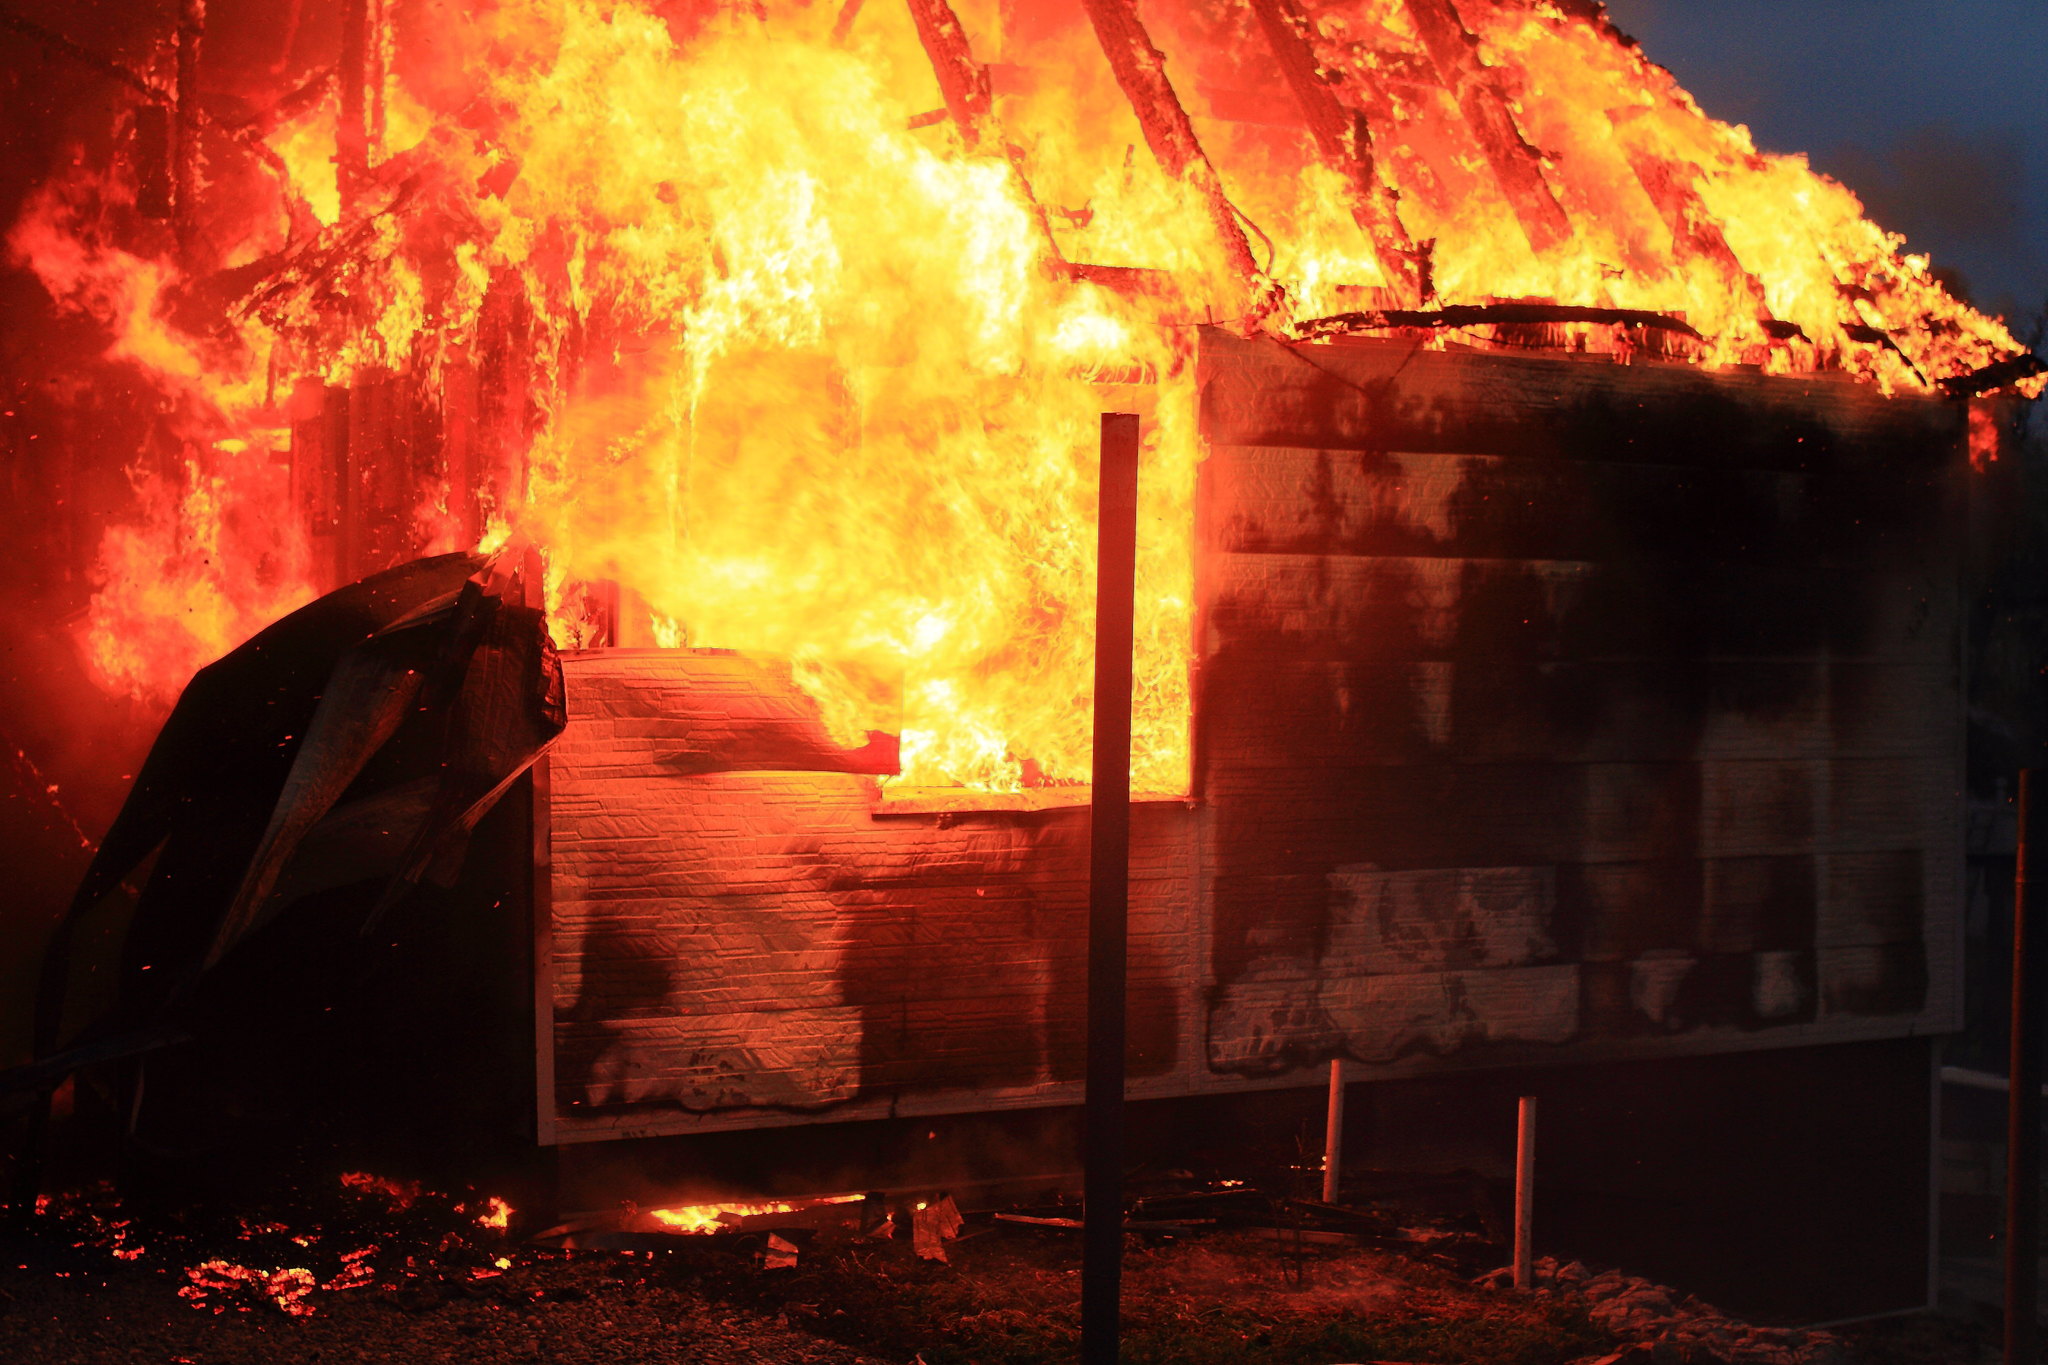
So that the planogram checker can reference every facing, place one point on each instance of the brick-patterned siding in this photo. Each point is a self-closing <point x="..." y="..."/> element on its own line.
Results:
<point x="767" y="942"/>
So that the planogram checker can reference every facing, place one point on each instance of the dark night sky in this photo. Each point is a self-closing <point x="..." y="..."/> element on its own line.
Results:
<point x="1934" y="111"/>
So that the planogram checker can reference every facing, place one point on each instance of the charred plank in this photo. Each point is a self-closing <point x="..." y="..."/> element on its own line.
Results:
<point x="970" y="101"/>
<point x="1516" y="165"/>
<point x="1491" y="314"/>
<point x="1140" y="70"/>
<point x="1994" y="376"/>
<point x="1344" y="139"/>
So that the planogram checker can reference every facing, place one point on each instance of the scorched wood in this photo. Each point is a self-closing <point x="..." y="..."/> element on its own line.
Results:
<point x="1516" y="165"/>
<point x="1345" y="141"/>
<point x="964" y="84"/>
<point x="1141" y="73"/>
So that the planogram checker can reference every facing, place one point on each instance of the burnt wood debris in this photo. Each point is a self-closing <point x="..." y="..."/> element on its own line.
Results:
<point x="351" y="747"/>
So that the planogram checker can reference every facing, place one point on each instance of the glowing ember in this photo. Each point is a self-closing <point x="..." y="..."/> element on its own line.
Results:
<point x="717" y="1217"/>
<point x="726" y="321"/>
<point x="223" y="1285"/>
<point x="399" y="1193"/>
<point x="497" y="1214"/>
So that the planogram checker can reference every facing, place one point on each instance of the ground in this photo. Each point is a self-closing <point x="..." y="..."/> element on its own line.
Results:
<point x="385" y="1273"/>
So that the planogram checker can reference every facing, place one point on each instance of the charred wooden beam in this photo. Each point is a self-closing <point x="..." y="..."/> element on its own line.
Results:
<point x="377" y="57"/>
<point x="318" y="260"/>
<point x="1877" y="336"/>
<point x="152" y="160"/>
<point x="83" y="56"/>
<point x="1516" y="165"/>
<point x="1695" y="234"/>
<point x="964" y="84"/>
<point x="1994" y="376"/>
<point x="1491" y="314"/>
<point x="1344" y="140"/>
<point x="185" y="122"/>
<point x="1140" y="70"/>
<point x="352" y="132"/>
<point x="842" y="27"/>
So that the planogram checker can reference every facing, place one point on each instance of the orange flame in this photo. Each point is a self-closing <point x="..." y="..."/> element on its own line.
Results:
<point x="694" y="1218"/>
<point x="400" y="1194"/>
<point x="787" y="362"/>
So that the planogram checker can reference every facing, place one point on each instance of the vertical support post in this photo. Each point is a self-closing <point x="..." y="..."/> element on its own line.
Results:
<point x="185" y="118"/>
<point x="1109" y="860"/>
<point x="352" y="130"/>
<point x="345" y="425"/>
<point x="1333" y="1134"/>
<point x="1525" y="1190"/>
<point x="2023" y="1108"/>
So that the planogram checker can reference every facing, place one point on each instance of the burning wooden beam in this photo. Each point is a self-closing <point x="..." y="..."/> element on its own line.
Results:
<point x="1492" y="315"/>
<point x="1141" y="73"/>
<point x="359" y="136"/>
<point x="964" y="85"/>
<point x="1517" y="167"/>
<point x="352" y="132"/>
<point x="1695" y="235"/>
<point x="185" y="119"/>
<point x="1344" y="139"/>
<point x="842" y="27"/>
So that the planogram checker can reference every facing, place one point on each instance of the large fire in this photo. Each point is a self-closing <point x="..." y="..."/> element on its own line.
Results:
<point x="792" y="320"/>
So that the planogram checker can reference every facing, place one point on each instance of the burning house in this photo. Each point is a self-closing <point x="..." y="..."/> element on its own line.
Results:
<point x="1548" y="636"/>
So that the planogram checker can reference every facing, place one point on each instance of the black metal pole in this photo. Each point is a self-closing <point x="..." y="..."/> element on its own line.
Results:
<point x="2023" y="1111"/>
<point x="1109" y="866"/>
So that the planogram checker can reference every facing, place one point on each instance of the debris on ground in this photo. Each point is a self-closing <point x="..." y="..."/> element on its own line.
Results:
<point x="1659" y="1326"/>
<point x="369" y="1269"/>
<point x="932" y="1224"/>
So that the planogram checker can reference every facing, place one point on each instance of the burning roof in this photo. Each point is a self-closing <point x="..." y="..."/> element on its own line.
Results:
<point x="793" y="320"/>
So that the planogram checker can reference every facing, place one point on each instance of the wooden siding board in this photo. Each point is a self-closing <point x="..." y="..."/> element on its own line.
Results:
<point x="1333" y="607"/>
<point x="1288" y="500"/>
<point x="1324" y="713"/>
<point x="756" y="940"/>
<point x="1683" y="644"/>
<point x="1546" y="709"/>
<point x="1368" y="395"/>
<point x="1509" y="814"/>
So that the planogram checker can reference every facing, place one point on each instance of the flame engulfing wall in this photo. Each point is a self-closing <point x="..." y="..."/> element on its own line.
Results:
<point x="792" y="319"/>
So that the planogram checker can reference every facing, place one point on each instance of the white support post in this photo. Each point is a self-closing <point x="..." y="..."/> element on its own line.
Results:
<point x="1525" y="1189"/>
<point x="1333" y="1134"/>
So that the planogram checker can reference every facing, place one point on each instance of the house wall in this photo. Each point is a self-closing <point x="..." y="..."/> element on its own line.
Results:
<point x="1548" y="710"/>
<point x="1557" y="704"/>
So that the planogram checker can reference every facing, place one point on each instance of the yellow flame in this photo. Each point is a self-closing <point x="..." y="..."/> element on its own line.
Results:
<point x="795" y="374"/>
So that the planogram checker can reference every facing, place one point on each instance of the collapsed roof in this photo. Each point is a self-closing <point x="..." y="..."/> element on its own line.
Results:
<point x="788" y="319"/>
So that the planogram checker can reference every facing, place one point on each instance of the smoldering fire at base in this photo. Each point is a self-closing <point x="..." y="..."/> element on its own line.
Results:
<point x="615" y="514"/>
